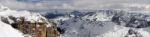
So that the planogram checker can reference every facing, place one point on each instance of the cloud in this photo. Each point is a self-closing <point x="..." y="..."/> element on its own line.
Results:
<point x="77" y="4"/>
<point x="113" y="4"/>
<point x="31" y="4"/>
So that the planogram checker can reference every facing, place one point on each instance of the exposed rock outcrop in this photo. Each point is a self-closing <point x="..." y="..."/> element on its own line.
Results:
<point x="33" y="29"/>
<point x="133" y="33"/>
<point x="30" y="24"/>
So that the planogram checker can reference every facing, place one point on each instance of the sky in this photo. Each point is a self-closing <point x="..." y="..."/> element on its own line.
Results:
<point x="133" y="5"/>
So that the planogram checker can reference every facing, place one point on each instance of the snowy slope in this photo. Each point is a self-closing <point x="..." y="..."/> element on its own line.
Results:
<point x="7" y="31"/>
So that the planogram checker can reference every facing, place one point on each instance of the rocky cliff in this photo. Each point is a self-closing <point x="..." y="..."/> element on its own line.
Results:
<point x="30" y="24"/>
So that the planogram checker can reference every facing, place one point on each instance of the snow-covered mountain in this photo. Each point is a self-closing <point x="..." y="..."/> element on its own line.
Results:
<point x="102" y="23"/>
<point x="24" y="24"/>
<point x="74" y="23"/>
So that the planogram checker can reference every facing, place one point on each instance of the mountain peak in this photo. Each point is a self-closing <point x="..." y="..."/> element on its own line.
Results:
<point x="25" y="24"/>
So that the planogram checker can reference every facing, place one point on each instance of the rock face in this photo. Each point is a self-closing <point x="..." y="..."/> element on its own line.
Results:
<point x="30" y="24"/>
<point x="33" y="29"/>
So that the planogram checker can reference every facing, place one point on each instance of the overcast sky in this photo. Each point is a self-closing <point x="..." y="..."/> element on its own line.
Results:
<point x="134" y="5"/>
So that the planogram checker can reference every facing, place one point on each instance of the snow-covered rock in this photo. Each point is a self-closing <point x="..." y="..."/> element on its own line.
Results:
<point x="25" y="24"/>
